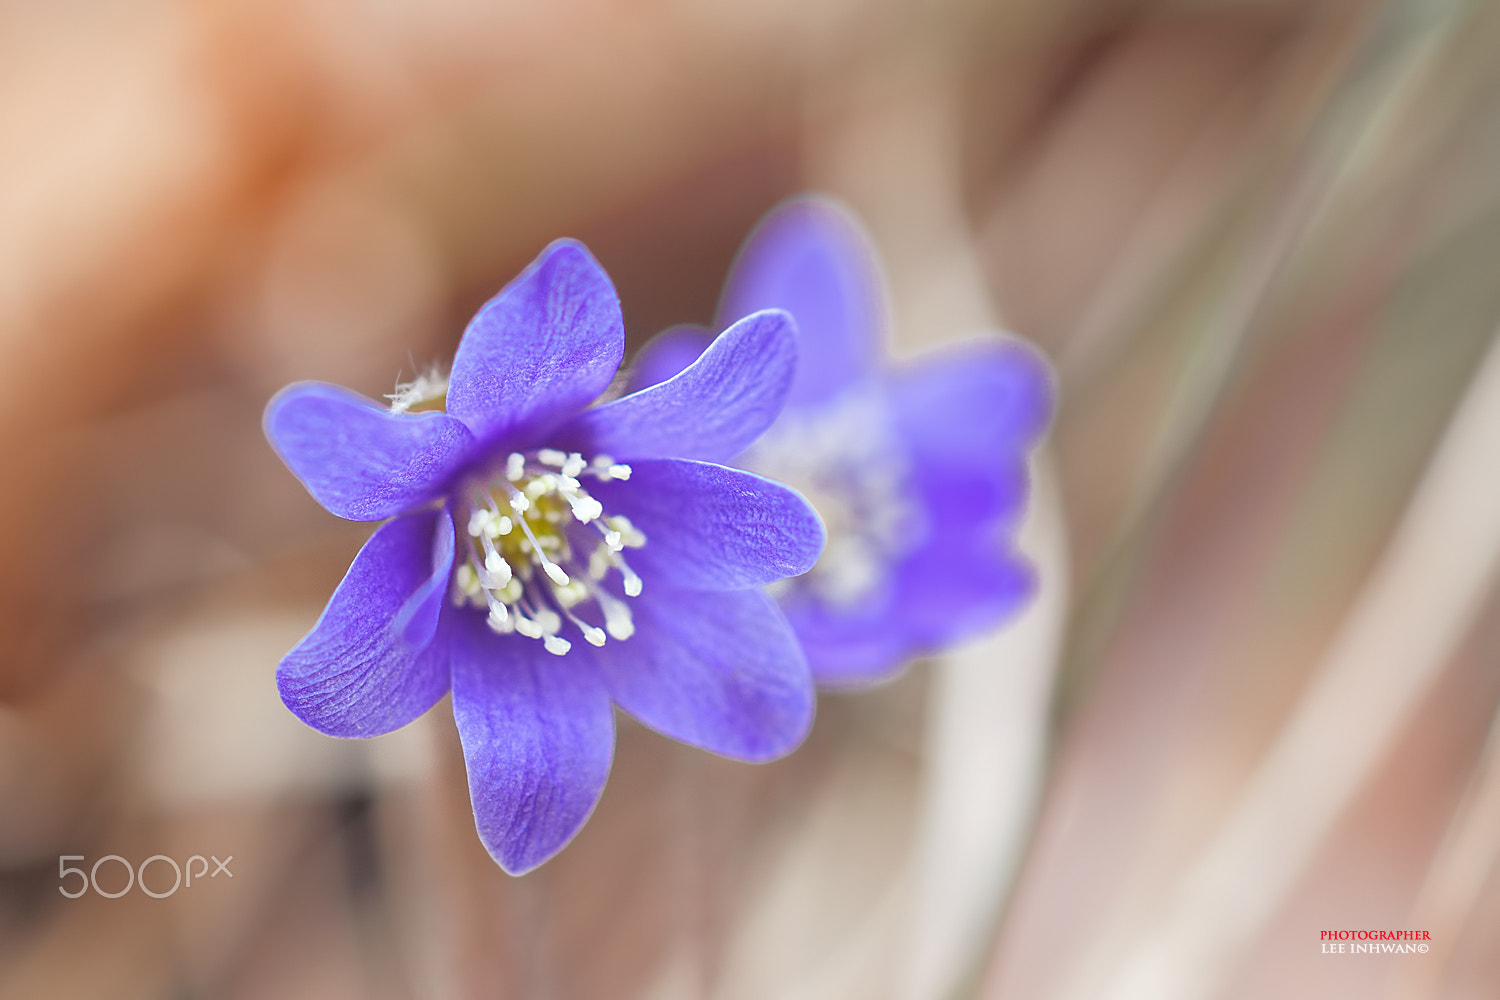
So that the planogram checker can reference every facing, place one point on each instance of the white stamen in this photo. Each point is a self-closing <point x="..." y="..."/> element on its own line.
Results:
<point x="504" y="574"/>
<point x="617" y="617"/>
<point x="599" y="563"/>
<point x="586" y="509"/>
<point x="498" y="568"/>
<point x="624" y="533"/>
<point x="576" y="592"/>
<point x="632" y="582"/>
<point x="592" y="633"/>
<point x="621" y="627"/>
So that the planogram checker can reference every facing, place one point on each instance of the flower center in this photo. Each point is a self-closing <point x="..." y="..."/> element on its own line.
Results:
<point x="841" y="460"/>
<point x="541" y="551"/>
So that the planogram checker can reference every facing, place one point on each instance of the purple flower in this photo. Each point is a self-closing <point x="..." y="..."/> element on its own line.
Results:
<point x="919" y="471"/>
<point x="547" y="559"/>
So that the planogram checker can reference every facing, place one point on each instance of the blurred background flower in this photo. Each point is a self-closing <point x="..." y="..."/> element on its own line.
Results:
<point x="919" y="472"/>
<point x="1251" y="702"/>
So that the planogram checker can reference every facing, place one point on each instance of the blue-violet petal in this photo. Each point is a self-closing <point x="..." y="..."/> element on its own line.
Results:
<point x="538" y="737"/>
<point x="721" y="671"/>
<point x="709" y="527"/>
<point x="358" y="459"/>
<point x="975" y="402"/>
<point x="374" y="661"/>
<point x="666" y="354"/>
<point x="961" y="585"/>
<point x="811" y="258"/>
<point x="960" y="582"/>
<point x="711" y="410"/>
<point x="541" y="350"/>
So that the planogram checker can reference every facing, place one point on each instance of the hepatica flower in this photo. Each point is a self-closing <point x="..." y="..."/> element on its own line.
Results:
<point x="548" y="559"/>
<point x="919" y="471"/>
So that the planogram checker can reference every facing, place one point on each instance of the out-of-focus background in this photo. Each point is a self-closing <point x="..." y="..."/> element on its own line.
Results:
<point x="1260" y="240"/>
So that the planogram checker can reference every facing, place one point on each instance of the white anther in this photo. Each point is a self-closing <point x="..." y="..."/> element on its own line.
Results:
<point x="617" y="617"/>
<point x="586" y="508"/>
<point x="599" y="563"/>
<point x="629" y="536"/>
<point x="500" y="621"/>
<point x="507" y="578"/>
<point x="576" y="592"/>
<point x="498" y="569"/>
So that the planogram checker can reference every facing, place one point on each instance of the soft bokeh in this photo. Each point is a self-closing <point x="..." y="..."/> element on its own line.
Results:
<point x="1260" y="239"/>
